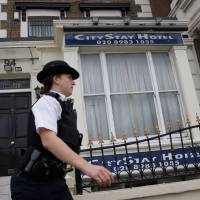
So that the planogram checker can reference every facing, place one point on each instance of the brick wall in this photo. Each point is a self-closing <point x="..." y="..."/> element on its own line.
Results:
<point x="13" y="26"/>
<point x="10" y="24"/>
<point x="160" y="8"/>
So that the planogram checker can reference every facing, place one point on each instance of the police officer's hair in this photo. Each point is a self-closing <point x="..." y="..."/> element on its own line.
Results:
<point x="48" y="82"/>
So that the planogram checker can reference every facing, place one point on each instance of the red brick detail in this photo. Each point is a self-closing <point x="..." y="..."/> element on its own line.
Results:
<point x="160" y="8"/>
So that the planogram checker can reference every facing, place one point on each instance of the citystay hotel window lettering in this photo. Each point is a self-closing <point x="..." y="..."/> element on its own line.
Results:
<point x="127" y="91"/>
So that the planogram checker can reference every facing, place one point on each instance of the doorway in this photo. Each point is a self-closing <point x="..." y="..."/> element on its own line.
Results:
<point x="14" y="111"/>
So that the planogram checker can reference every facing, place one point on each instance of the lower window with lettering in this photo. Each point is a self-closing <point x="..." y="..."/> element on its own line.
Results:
<point x="124" y="92"/>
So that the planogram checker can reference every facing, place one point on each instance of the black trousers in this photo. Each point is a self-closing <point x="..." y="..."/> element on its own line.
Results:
<point x="23" y="187"/>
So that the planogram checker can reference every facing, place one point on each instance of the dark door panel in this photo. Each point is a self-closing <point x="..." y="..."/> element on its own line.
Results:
<point x="19" y="142"/>
<point x="5" y="143"/>
<point x="14" y="110"/>
<point x="22" y="101"/>
<point x="5" y="124"/>
<point x="21" y="123"/>
<point x="8" y="161"/>
<point x="5" y="102"/>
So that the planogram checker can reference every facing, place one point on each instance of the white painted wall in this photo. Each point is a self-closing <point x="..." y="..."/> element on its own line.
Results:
<point x="189" y="95"/>
<point x="3" y="33"/>
<point x="3" y="1"/>
<point x="22" y="58"/>
<point x="187" y="10"/>
<point x="71" y="56"/>
<point x="105" y="13"/>
<point x="190" y="10"/>
<point x="195" y="70"/>
<point x="146" y="8"/>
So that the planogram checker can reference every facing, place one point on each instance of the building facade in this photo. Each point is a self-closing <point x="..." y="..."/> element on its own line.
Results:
<point x="136" y="65"/>
<point x="189" y="10"/>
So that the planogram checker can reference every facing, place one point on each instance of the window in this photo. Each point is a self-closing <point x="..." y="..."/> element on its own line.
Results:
<point x="40" y="26"/>
<point x="14" y="84"/>
<point x="104" y="9"/>
<point x="37" y="17"/>
<point x="103" y="13"/>
<point x="127" y="91"/>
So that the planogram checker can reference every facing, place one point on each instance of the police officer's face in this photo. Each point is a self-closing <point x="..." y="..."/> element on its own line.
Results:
<point x="64" y="83"/>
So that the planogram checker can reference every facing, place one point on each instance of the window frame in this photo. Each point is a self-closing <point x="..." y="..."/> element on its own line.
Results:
<point x="156" y="92"/>
<point x="24" y="26"/>
<point x="41" y="17"/>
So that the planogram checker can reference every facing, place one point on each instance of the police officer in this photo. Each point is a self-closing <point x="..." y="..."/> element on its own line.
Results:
<point x="53" y="141"/>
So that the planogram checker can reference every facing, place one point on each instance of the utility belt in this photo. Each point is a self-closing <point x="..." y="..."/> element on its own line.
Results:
<point x="42" y="167"/>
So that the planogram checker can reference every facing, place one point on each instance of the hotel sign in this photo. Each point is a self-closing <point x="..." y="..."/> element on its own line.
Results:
<point x="148" y="160"/>
<point x="118" y="39"/>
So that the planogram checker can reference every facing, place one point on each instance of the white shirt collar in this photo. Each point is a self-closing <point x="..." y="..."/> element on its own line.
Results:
<point x="62" y="96"/>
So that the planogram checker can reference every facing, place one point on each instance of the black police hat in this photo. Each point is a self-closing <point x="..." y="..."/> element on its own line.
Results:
<point x="56" y="67"/>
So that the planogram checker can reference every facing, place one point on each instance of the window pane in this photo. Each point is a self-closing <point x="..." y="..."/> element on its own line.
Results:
<point x="14" y="84"/>
<point x="92" y="75"/>
<point x="128" y="73"/>
<point x="40" y="26"/>
<point x="170" y="108"/>
<point x="96" y="117"/>
<point x="164" y="73"/>
<point x="134" y="111"/>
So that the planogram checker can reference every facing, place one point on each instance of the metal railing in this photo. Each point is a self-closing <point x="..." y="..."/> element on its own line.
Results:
<point x="145" y="161"/>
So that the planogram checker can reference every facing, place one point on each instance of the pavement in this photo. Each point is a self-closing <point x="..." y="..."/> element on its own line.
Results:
<point x="5" y="188"/>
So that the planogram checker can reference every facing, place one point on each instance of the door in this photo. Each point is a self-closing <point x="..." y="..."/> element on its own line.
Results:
<point x="14" y="110"/>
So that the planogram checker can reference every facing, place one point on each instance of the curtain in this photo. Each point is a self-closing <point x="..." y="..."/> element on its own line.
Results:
<point x="129" y="73"/>
<point x="133" y="111"/>
<point x="131" y="93"/>
<point x="166" y="81"/>
<point x="40" y="26"/>
<point x="170" y="108"/>
<point x="164" y="73"/>
<point x="96" y="116"/>
<point x="91" y="74"/>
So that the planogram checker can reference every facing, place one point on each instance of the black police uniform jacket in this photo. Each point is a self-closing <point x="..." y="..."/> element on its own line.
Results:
<point x="67" y="128"/>
<point x="67" y="132"/>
